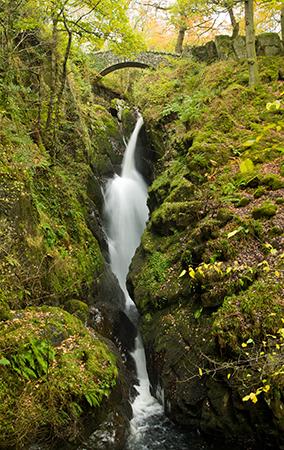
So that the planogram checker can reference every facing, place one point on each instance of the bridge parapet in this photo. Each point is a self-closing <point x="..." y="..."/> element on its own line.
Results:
<point x="106" y="62"/>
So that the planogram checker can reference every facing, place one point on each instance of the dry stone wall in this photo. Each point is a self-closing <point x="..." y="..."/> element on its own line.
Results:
<point x="223" y="48"/>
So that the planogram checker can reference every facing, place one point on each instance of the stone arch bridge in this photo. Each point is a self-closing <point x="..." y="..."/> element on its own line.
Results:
<point x="107" y="62"/>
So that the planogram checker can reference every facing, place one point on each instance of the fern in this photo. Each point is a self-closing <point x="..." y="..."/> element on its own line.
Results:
<point x="33" y="359"/>
<point x="92" y="399"/>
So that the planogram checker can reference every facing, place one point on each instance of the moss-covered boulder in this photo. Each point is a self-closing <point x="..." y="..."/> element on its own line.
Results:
<point x="259" y="192"/>
<point x="78" y="309"/>
<point x="171" y="217"/>
<point x="265" y="211"/>
<point x="53" y="367"/>
<point x="244" y="201"/>
<point x="272" y="182"/>
<point x="224" y="216"/>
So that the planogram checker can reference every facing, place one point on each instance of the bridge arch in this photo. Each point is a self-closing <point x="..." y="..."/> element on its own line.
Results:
<point x="107" y="62"/>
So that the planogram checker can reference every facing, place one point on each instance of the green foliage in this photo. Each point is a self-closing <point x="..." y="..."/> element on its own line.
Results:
<point x="157" y="269"/>
<point x="259" y="192"/>
<point x="249" y="314"/>
<point x="33" y="359"/>
<point x="246" y="166"/>
<point x="244" y="201"/>
<point x="188" y="108"/>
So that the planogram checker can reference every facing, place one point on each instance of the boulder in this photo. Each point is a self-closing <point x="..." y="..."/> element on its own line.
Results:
<point x="224" y="47"/>
<point x="240" y="47"/>
<point x="268" y="44"/>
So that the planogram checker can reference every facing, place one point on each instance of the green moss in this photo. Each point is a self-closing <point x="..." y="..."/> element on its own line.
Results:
<point x="272" y="182"/>
<point x="282" y="170"/>
<point x="4" y="310"/>
<point x="180" y="189"/>
<point x="249" y="315"/>
<point x="244" y="201"/>
<point x="265" y="211"/>
<point x="248" y="179"/>
<point x="279" y="201"/>
<point x="175" y="216"/>
<point x="259" y="192"/>
<point x="224" y="216"/>
<point x="152" y="278"/>
<point x="78" y="309"/>
<point x="275" y="231"/>
<point x="219" y="249"/>
<point x="56" y="370"/>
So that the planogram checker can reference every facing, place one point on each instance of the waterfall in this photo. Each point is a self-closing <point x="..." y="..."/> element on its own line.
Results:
<point x="126" y="212"/>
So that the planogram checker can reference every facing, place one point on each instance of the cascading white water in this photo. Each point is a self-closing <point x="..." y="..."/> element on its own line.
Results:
<point x="126" y="211"/>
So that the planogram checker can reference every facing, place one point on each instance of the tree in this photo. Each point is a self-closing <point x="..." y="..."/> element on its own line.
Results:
<point x="53" y="27"/>
<point x="282" y="24"/>
<point x="254" y="79"/>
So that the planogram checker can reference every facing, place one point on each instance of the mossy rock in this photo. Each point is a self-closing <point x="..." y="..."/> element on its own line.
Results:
<point x="244" y="201"/>
<point x="265" y="211"/>
<point x="248" y="314"/>
<point x="175" y="216"/>
<point x="55" y="372"/>
<point x="259" y="192"/>
<point x="78" y="309"/>
<point x="158" y="192"/>
<point x="275" y="231"/>
<point x="248" y="179"/>
<point x="181" y="190"/>
<point x="224" y="216"/>
<point x="219" y="249"/>
<point x="273" y="182"/>
<point x="279" y="201"/>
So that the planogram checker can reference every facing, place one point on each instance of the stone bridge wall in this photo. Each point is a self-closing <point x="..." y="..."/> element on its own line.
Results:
<point x="107" y="62"/>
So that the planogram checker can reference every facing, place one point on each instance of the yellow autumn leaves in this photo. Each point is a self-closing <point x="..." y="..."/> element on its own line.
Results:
<point x="253" y="395"/>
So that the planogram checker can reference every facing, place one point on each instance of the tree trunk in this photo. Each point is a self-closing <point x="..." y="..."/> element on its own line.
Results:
<point x="235" y="24"/>
<point x="180" y="39"/>
<point x="62" y="81"/>
<point x="282" y="25"/>
<point x="53" y="73"/>
<point x="181" y="33"/>
<point x="254" y="79"/>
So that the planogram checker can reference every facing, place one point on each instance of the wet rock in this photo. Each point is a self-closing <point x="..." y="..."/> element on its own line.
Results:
<point x="110" y="435"/>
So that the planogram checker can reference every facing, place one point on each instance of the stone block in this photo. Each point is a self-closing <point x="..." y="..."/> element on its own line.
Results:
<point x="268" y="44"/>
<point x="240" y="47"/>
<point x="224" y="47"/>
